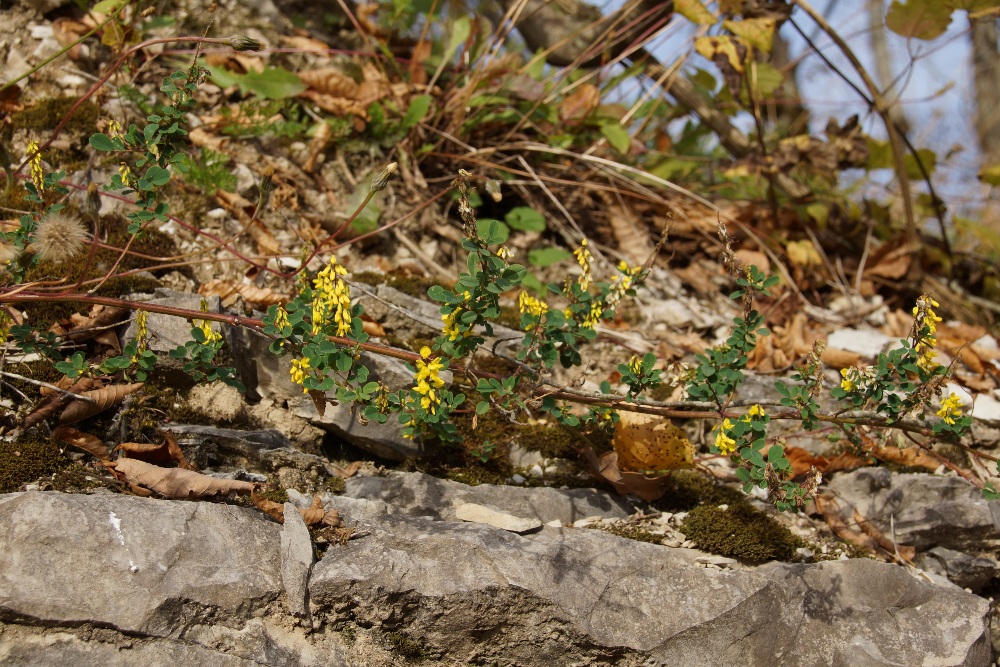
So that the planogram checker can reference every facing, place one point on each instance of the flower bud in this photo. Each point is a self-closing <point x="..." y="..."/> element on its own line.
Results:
<point x="244" y="43"/>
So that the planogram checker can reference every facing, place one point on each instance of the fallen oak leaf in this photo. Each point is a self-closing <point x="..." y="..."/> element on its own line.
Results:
<point x="105" y="397"/>
<point x="312" y="515"/>
<point x="85" y="441"/>
<point x="177" y="483"/>
<point x="606" y="469"/>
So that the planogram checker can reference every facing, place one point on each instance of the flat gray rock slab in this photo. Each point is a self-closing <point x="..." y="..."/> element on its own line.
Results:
<point x="476" y="595"/>
<point x="417" y="494"/>
<point x="134" y="564"/>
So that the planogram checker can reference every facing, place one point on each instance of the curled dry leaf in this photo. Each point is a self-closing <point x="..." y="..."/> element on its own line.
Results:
<point x="167" y="451"/>
<point x="177" y="483"/>
<point x="339" y="106"/>
<point x="55" y="400"/>
<point x="85" y="441"/>
<point x="580" y="102"/>
<point x="98" y="324"/>
<point x="349" y="471"/>
<point x="312" y="515"/>
<point x="371" y="327"/>
<point x="827" y="506"/>
<point x="330" y="81"/>
<point x="228" y="293"/>
<point x="649" y="442"/>
<point x="105" y="397"/>
<point x="243" y="208"/>
<point x="317" y="146"/>
<point x="904" y="553"/>
<point x="606" y="469"/>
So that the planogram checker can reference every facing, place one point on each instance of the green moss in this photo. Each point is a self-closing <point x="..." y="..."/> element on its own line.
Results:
<point x="78" y="478"/>
<point x="741" y="532"/>
<point x="27" y="460"/>
<point x="687" y="489"/>
<point x="274" y="493"/>
<point x="45" y="114"/>
<point x="412" y="285"/>
<point x="408" y="649"/>
<point x="335" y="485"/>
<point x="629" y="531"/>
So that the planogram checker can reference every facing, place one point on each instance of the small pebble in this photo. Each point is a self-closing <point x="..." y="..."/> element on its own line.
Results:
<point x="518" y="479"/>
<point x="536" y="471"/>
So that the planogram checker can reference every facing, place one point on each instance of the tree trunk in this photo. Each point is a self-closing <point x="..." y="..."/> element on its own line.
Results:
<point x="986" y="70"/>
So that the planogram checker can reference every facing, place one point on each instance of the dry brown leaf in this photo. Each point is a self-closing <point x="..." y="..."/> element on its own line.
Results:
<point x="318" y="399"/>
<point x="903" y="553"/>
<point x="167" y="451"/>
<point x="891" y="260"/>
<point x="803" y="461"/>
<point x="830" y="511"/>
<point x="418" y="56"/>
<point x="371" y="327"/>
<point x="606" y="469"/>
<point x="580" y="102"/>
<point x="633" y="238"/>
<point x="313" y="515"/>
<point x="339" y="106"/>
<point x="330" y="81"/>
<point x="317" y="146"/>
<point x="803" y="254"/>
<point x="913" y="457"/>
<point x="67" y="31"/>
<point x="229" y="292"/>
<point x="54" y="400"/>
<point x="85" y="441"/>
<point x="177" y="483"/>
<point x="100" y="320"/>
<point x="202" y="138"/>
<point x="240" y="63"/>
<point x="305" y="44"/>
<point x="349" y="471"/>
<point x="754" y="258"/>
<point x="242" y="208"/>
<point x="105" y="397"/>
<point x="649" y="442"/>
<point x="837" y="358"/>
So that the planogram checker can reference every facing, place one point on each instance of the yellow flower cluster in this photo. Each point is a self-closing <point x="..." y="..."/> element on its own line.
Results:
<point x="530" y="305"/>
<point x="300" y="371"/>
<point x="428" y="380"/>
<point x="37" y="171"/>
<point x="127" y="177"/>
<point x="723" y="441"/>
<point x="635" y="365"/>
<point x="755" y="411"/>
<point x="621" y="283"/>
<point x="211" y="336"/>
<point x="951" y="408"/>
<point x="332" y="297"/>
<point x="925" y="316"/>
<point x="141" y="334"/>
<point x="585" y="260"/>
<point x="450" y="328"/>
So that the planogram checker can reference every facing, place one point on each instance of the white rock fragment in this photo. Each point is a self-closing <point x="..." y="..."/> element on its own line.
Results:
<point x="475" y="513"/>
<point x="868" y="343"/>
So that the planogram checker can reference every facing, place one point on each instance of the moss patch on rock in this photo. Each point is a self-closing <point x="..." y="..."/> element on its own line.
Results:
<point x="27" y="460"/>
<point x="740" y="531"/>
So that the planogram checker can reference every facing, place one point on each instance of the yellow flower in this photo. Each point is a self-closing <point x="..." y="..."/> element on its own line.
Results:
<point x="141" y="334"/>
<point x="925" y="317"/>
<point x="584" y="259"/>
<point x="723" y="442"/>
<point x="206" y="326"/>
<point x="847" y="384"/>
<point x="427" y="380"/>
<point x="37" y="171"/>
<point x="756" y="411"/>
<point x="331" y="299"/>
<point x="300" y="371"/>
<point x="530" y="305"/>
<point x="505" y="253"/>
<point x="951" y="408"/>
<point x="635" y="365"/>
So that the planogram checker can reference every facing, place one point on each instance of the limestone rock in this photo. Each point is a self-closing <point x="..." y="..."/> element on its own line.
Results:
<point x="419" y="494"/>
<point x="476" y="513"/>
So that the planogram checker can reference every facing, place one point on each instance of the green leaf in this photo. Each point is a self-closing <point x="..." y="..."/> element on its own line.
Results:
<point x="542" y="257"/>
<point x="461" y="28"/>
<point x="102" y="142"/>
<point x="108" y="6"/>
<point x="274" y="83"/>
<point x="525" y="219"/>
<point x="483" y="230"/>
<point x="880" y="157"/>
<point x="617" y="136"/>
<point x="482" y="407"/>
<point x="920" y="19"/>
<point x="157" y="175"/>
<point x="419" y="106"/>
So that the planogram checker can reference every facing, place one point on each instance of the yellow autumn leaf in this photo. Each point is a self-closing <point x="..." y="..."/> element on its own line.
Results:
<point x="803" y="253"/>
<point x="724" y="45"/>
<point x="694" y="11"/>
<point x="758" y="33"/>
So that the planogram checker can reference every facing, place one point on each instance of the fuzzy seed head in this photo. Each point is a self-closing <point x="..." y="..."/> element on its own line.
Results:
<point x="59" y="236"/>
